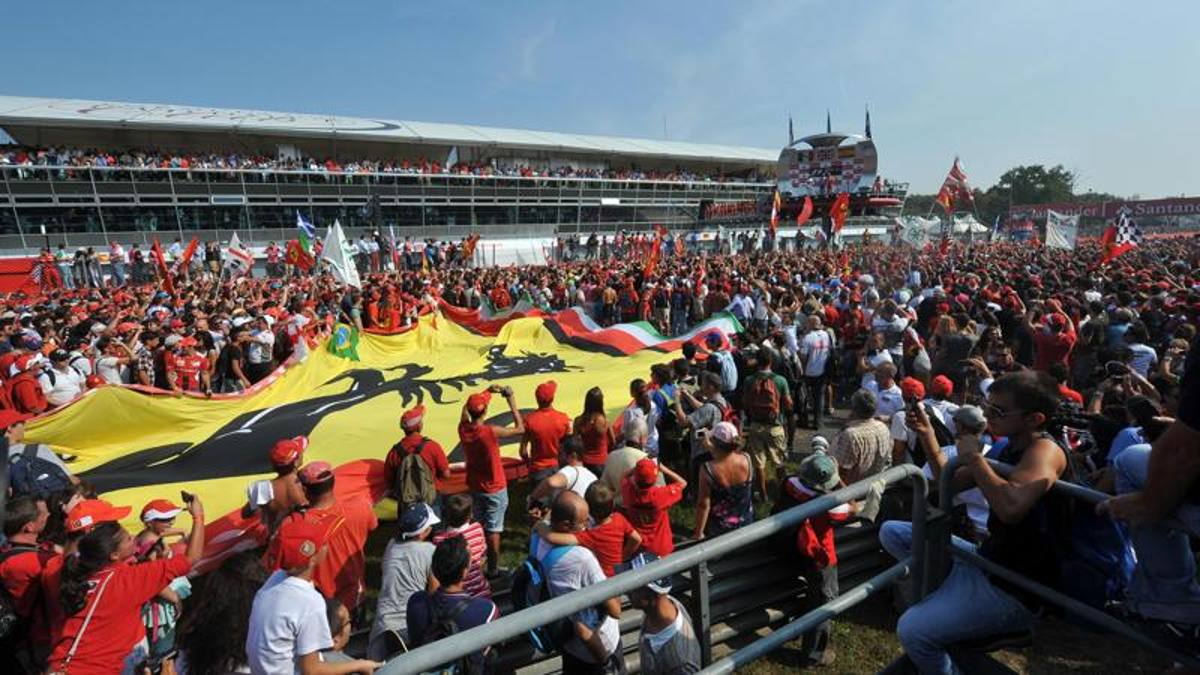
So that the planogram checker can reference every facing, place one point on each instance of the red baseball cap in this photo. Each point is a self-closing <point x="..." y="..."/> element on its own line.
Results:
<point x="478" y="403"/>
<point x="299" y="540"/>
<point x="91" y="512"/>
<point x="645" y="472"/>
<point x="289" y="451"/>
<point x="316" y="472"/>
<point x="911" y="387"/>
<point x="545" y="392"/>
<point x="160" y="509"/>
<point x="411" y="419"/>
<point x="941" y="386"/>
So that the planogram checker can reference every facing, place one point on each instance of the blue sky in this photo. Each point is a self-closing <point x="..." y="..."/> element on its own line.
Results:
<point x="1108" y="89"/>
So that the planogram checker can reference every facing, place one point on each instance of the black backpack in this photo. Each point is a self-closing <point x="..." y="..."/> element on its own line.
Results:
<point x="29" y="474"/>
<point x="444" y="624"/>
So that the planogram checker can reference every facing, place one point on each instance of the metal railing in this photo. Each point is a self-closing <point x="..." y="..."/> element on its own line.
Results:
<point x="693" y="558"/>
<point x="1067" y="603"/>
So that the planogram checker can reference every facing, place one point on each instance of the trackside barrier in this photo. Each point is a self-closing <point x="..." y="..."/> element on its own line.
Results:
<point x="762" y="647"/>
<point x="1071" y="605"/>
<point x="694" y="558"/>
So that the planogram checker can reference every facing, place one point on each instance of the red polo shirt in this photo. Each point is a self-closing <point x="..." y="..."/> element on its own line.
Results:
<point x="481" y="450"/>
<point x="545" y="429"/>
<point x="21" y="575"/>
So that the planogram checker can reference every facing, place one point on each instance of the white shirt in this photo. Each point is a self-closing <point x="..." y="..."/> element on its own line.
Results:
<point x="578" y="478"/>
<point x="577" y="569"/>
<point x="287" y="621"/>
<point x="887" y="401"/>
<point x="109" y="368"/>
<point x="943" y="410"/>
<point x="815" y="350"/>
<point x="1143" y="358"/>
<point x="260" y="347"/>
<point x="68" y="383"/>
<point x="977" y="506"/>
<point x="881" y="356"/>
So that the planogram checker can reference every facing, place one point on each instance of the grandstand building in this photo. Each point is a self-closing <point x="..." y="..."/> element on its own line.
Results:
<point x="85" y="172"/>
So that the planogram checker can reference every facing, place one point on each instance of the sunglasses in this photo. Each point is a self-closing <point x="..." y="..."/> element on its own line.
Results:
<point x="996" y="412"/>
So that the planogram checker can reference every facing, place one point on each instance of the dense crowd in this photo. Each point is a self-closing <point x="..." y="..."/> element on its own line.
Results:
<point x="1036" y="358"/>
<point x="63" y="160"/>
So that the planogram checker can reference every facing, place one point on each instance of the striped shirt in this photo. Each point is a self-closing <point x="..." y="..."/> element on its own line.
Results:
<point x="474" y="582"/>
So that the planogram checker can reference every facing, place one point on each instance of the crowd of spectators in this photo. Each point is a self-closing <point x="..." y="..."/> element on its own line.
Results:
<point x="64" y="160"/>
<point x="973" y="353"/>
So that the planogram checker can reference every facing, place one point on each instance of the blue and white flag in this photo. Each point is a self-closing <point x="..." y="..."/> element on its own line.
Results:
<point x="308" y="233"/>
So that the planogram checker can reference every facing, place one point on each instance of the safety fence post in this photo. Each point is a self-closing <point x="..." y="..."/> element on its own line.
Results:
<point x="701" y="611"/>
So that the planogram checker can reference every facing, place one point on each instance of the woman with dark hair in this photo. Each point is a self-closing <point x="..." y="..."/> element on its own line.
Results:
<point x="102" y="595"/>
<point x="212" y="634"/>
<point x="592" y="426"/>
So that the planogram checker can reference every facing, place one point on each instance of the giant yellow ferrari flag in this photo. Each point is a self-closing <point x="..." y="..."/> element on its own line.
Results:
<point x="135" y="446"/>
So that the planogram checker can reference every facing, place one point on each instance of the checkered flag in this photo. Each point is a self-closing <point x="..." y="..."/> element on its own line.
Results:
<point x="1128" y="233"/>
<point x="1120" y="237"/>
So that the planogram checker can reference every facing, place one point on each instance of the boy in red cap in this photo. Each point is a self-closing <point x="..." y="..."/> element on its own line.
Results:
<point x="545" y="429"/>
<point x="646" y="504"/>
<point x="288" y="625"/>
<point x="396" y="476"/>
<point x="282" y="494"/>
<point x="485" y="472"/>
<point x="349" y="520"/>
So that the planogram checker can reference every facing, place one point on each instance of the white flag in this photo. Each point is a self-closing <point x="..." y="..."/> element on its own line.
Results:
<point x="914" y="231"/>
<point x="340" y="261"/>
<point x="240" y="260"/>
<point x="1061" y="231"/>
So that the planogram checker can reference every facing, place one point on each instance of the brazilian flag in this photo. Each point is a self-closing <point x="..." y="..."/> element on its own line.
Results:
<point x="344" y="342"/>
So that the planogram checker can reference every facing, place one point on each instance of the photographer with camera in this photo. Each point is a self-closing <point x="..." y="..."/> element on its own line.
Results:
<point x="485" y="472"/>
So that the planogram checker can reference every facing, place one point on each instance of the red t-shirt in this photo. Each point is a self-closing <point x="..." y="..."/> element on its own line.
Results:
<point x="646" y="509"/>
<point x="27" y="394"/>
<point x="545" y="429"/>
<point x="1052" y="348"/>
<point x="481" y="450"/>
<point x="21" y="574"/>
<point x="595" y="442"/>
<point x="1070" y="394"/>
<point x="51" y="600"/>
<point x="340" y="575"/>
<point x="432" y="453"/>
<point x="187" y="370"/>
<point x="116" y="624"/>
<point x="607" y="541"/>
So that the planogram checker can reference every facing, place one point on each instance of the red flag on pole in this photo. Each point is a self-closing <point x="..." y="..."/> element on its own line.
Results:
<point x="296" y="256"/>
<point x="185" y="259"/>
<point x="840" y="211"/>
<point x="955" y="187"/>
<point x="776" y="207"/>
<point x="805" y="212"/>
<point x="655" y="252"/>
<point x="160" y="263"/>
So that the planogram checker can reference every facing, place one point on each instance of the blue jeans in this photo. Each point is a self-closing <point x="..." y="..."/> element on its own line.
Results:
<point x="118" y="274"/>
<point x="1164" y="582"/>
<point x="488" y="509"/>
<point x="965" y="606"/>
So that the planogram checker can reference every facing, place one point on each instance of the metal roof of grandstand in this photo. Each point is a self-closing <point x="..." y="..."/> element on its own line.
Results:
<point x="16" y="110"/>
